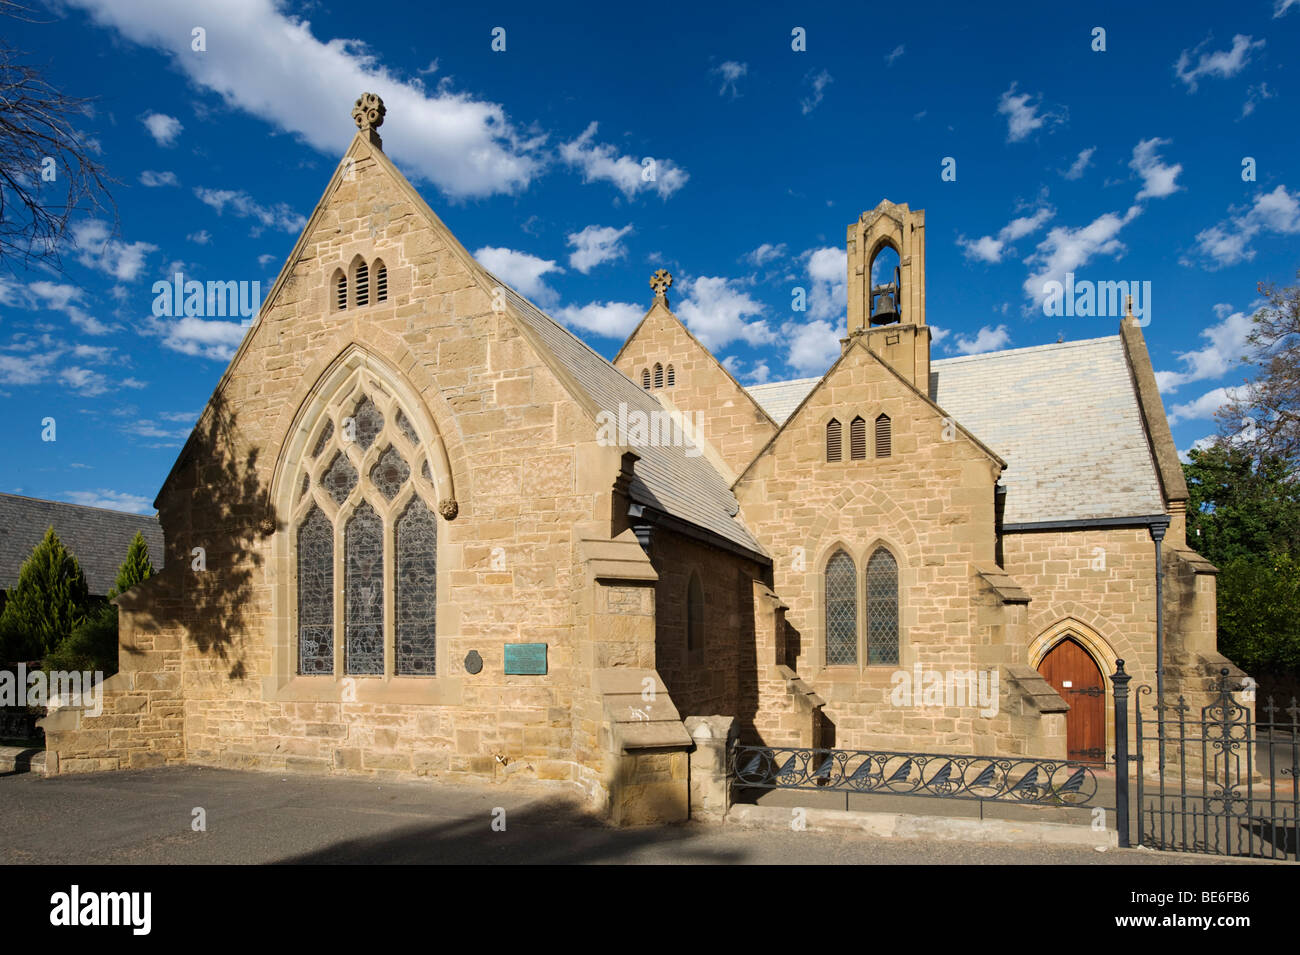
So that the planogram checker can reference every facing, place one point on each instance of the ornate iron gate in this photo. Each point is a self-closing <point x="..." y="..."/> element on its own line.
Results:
<point x="1225" y="783"/>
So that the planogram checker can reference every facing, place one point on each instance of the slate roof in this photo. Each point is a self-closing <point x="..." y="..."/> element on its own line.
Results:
<point x="97" y="537"/>
<point x="1065" y="418"/>
<point x="665" y="477"/>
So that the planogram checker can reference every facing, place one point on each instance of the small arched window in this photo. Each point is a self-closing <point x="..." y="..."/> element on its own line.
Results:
<point x="882" y="608"/>
<point x="884" y="436"/>
<point x="645" y="378"/>
<point x="381" y="281"/>
<point x="363" y="284"/>
<point x="694" y="613"/>
<point x="833" y="440"/>
<point x="841" y="610"/>
<point x="858" y="439"/>
<point x="340" y="291"/>
<point x="672" y="377"/>
<point x="659" y="375"/>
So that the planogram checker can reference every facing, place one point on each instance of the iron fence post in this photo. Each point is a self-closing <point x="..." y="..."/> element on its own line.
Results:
<point x="1120" y="680"/>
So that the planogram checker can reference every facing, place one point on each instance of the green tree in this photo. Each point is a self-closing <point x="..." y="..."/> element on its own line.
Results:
<point x="135" y="568"/>
<point x="1244" y="516"/>
<point x="48" y="602"/>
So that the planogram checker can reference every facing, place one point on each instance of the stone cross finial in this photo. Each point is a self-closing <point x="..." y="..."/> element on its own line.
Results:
<point x="661" y="281"/>
<point x="368" y="113"/>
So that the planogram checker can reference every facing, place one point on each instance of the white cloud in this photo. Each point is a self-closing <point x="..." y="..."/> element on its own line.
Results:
<point x="731" y="72"/>
<point x="98" y="250"/>
<point x="718" y="313"/>
<point x="1158" y="179"/>
<point x="596" y="244"/>
<point x="818" y="81"/>
<point x="265" y="259"/>
<point x="610" y="319"/>
<point x="204" y="338"/>
<point x="1202" y="408"/>
<point x="99" y="353"/>
<point x="1229" y="242"/>
<point x="1280" y="7"/>
<point x="1021" y="111"/>
<point x="1254" y="94"/>
<point x="521" y="271"/>
<point x="280" y="72"/>
<point x="1200" y="444"/>
<point x="280" y="216"/>
<point x="765" y="253"/>
<point x="1080" y="164"/>
<point x="1226" y="345"/>
<point x="986" y="339"/>
<point x="991" y="249"/>
<point x="202" y="237"/>
<point x="83" y="381"/>
<point x="828" y="269"/>
<point x="163" y="128"/>
<point x="812" y="346"/>
<point x="1065" y="249"/>
<point x="601" y="161"/>
<point x="1222" y="64"/>
<point x="30" y="369"/>
<point x="64" y="298"/>
<point x="154" y="179"/>
<point x="113" y="500"/>
<point x="893" y="55"/>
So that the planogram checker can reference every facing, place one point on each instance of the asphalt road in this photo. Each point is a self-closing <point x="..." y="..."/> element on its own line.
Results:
<point x="147" y="816"/>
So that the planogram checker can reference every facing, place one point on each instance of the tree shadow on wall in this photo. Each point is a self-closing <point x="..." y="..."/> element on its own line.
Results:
<point x="217" y="518"/>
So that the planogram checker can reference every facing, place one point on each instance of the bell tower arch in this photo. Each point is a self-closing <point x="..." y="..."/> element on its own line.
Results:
<point x="891" y="309"/>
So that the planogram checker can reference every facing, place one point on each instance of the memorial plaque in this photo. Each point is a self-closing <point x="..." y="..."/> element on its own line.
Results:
<point x="525" y="659"/>
<point x="473" y="662"/>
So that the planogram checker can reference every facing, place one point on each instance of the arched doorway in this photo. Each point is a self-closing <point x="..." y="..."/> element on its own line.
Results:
<point x="1073" y="673"/>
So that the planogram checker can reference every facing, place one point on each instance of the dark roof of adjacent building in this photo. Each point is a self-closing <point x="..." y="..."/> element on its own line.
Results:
<point x="96" y="536"/>
<point x="1065" y="417"/>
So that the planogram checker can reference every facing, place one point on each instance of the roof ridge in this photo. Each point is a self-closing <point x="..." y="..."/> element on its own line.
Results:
<point x="84" y="507"/>
<point x="1012" y="351"/>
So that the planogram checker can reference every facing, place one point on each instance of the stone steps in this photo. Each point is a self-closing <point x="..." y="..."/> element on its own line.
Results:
<point x="22" y="759"/>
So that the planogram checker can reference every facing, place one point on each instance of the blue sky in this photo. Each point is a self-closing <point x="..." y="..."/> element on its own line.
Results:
<point x="1122" y="164"/>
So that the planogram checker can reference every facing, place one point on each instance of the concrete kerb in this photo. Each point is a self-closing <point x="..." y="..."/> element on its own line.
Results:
<point x="895" y="825"/>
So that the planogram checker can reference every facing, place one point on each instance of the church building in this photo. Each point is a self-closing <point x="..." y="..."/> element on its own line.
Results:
<point x="423" y="530"/>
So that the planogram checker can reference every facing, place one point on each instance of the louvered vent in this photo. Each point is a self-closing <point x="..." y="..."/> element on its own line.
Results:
<point x="341" y="293"/>
<point x="833" y="440"/>
<point x="363" y="285"/>
<point x="884" y="436"/>
<point x="381" y="284"/>
<point x="858" y="440"/>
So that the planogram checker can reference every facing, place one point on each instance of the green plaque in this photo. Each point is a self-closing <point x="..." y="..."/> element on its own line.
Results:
<point x="525" y="659"/>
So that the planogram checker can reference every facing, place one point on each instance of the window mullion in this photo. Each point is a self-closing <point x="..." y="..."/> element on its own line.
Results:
<point x="390" y="594"/>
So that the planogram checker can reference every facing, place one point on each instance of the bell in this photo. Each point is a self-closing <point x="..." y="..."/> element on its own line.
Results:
<point x="884" y="303"/>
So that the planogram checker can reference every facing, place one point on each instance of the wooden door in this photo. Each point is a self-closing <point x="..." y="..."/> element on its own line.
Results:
<point x="1070" y="669"/>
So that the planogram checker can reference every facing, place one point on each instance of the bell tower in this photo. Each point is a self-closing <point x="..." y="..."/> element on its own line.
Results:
<point x="889" y="308"/>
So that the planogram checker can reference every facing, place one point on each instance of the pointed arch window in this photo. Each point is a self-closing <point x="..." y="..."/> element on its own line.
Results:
<point x="833" y="441"/>
<point x="841" y="610"/>
<point x="363" y="284"/>
<point x="381" y="281"/>
<point x="694" y="613"/>
<point x="645" y="378"/>
<point x="340" y="291"/>
<point x="365" y="529"/>
<point x="884" y="436"/>
<point x="882" y="608"/>
<point x="659" y="375"/>
<point x="672" y="377"/>
<point x="858" y="439"/>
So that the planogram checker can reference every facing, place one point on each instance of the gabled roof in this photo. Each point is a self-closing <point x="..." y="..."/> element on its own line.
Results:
<point x="1065" y="417"/>
<point x="97" y="537"/>
<point x="665" y="478"/>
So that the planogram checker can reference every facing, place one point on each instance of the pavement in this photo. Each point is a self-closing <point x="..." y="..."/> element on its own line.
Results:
<point x="147" y="816"/>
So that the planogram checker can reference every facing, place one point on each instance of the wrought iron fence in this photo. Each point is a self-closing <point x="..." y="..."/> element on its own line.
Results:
<point x="1022" y="780"/>
<point x="1216" y="790"/>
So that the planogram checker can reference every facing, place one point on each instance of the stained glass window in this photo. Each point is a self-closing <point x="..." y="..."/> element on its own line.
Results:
<point x="408" y="429"/>
<point x="369" y="422"/>
<point x="390" y="473"/>
<point x="363" y="550"/>
<point x="315" y="594"/>
<point x="325" y="435"/>
<point x="841" y="610"/>
<point x="340" y="479"/>
<point x="882" y="608"/>
<point x="417" y="592"/>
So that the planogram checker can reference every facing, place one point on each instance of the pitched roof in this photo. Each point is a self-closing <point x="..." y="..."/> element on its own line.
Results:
<point x="97" y="537"/>
<point x="666" y="478"/>
<point x="1064" y="416"/>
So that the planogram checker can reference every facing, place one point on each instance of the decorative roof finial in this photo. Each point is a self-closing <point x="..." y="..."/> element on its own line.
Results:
<point x="661" y="281"/>
<point x="368" y="113"/>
